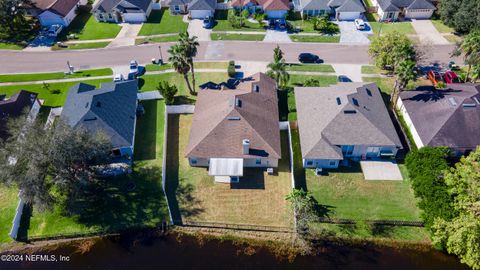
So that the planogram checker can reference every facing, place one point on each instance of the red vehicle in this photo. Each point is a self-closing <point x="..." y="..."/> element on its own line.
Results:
<point x="434" y="77"/>
<point x="451" y="77"/>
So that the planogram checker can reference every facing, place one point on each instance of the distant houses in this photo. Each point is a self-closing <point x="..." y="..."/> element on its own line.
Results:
<point x="118" y="11"/>
<point x="392" y="10"/>
<point x="20" y="103"/>
<point x="233" y="129"/>
<point x="342" y="122"/>
<point x="110" y="109"/>
<point x="448" y="117"/>
<point x="197" y="9"/>
<point x="274" y="9"/>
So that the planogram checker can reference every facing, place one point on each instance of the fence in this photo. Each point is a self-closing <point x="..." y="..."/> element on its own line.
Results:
<point x="374" y="222"/>
<point x="239" y="227"/>
<point x="18" y="217"/>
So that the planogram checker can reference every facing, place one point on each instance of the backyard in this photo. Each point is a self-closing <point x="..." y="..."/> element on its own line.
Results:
<point x="85" y="27"/>
<point x="258" y="199"/>
<point x="8" y="205"/>
<point x="27" y="77"/>
<point x="162" y="22"/>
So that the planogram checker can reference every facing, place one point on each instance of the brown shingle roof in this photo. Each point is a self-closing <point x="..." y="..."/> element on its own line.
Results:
<point x="60" y="7"/>
<point x="266" y="4"/>
<point x="219" y="126"/>
<point x="14" y="107"/>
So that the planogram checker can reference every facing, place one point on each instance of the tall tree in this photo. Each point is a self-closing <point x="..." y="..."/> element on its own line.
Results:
<point x="13" y="21"/>
<point x="462" y="15"/>
<point x="406" y="71"/>
<point x="470" y="47"/>
<point x="168" y="91"/>
<point x="190" y="44"/>
<point x="180" y="63"/>
<point x="277" y="54"/>
<point x="278" y="68"/>
<point x="461" y="235"/>
<point x="391" y="49"/>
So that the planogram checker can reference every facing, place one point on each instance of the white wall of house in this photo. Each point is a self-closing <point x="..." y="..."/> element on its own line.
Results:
<point x="321" y="163"/>
<point x="247" y="163"/>
<point x="348" y="16"/>
<point x="106" y="17"/>
<point x="201" y="14"/>
<point x="408" y="121"/>
<point x="276" y="14"/>
<point x="419" y="14"/>
<point x="383" y="16"/>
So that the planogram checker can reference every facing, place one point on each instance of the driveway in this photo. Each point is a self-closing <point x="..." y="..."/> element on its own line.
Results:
<point x="380" y="170"/>
<point x="352" y="71"/>
<point x="350" y="35"/>
<point x="275" y="36"/>
<point x="195" y="28"/>
<point x="126" y="36"/>
<point x="427" y="33"/>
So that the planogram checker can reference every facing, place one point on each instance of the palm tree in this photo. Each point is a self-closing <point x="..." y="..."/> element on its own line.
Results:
<point x="475" y="73"/>
<point x="180" y="63"/>
<point x="277" y="54"/>
<point x="278" y="71"/>
<point x="190" y="45"/>
<point x="406" y="71"/>
<point x="471" y="50"/>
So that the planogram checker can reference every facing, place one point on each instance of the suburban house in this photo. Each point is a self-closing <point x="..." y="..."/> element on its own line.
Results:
<point x="274" y="9"/>
<point x="197" y="9"/>
<point x="448" y="117"/>
<point x="50" y="12"/>
<point x="118" y="11"/>
<point x="391" y="10"/>
<point x="235" y="129"/>
<point x="110" y="109"/>
<point x="344" y="121"/>
<point x="18" y="104"/>
<point x="342" y="9"/>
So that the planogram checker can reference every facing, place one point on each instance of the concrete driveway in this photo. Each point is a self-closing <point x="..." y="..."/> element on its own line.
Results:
<point x="350" y="35"/>
<point x="195" y="28"/>
<point x="126" y="36"/>
<point x="352" y="71"/>
<point x="380" y="170"/>
<point x="276" y="36"/>
<point x="427" y="33"/>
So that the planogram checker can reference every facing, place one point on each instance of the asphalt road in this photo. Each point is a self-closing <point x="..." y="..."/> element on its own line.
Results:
<point x="28" y="62"/>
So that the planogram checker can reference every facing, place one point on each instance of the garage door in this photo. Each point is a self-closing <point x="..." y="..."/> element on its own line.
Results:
<point x="134" y="17"/>
<point x="200" y="14"/>
<point x="348" y="16"/>
<point x="419" y="14"/>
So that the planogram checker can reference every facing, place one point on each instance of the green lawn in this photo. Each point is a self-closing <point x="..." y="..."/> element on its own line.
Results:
<point x="162" y="22"/>
<point x="303" y="25"/>
<point x="110" y="207"/>
<point x="244" y="37"/>
<point x="85" y="27"/>
<point x="310" y="67"/>
<point x="81" y="46"/>
<point x="8" y="205"/>
<point x="197" y="65"/>
<point x="258" y="198"/>
<point x="172" y="38"/>
<point x="315" y="38"/>
<point x="441" y="27"/>
<point x="402" y="27"/>
<point x="370" y="70"/>
<point x="222" y="24"/>
<point x="10" y="46"/>
<point x="54" y="75"/>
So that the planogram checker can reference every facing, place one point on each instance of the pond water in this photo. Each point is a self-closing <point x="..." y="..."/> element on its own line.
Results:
<point x="168" y="252"/>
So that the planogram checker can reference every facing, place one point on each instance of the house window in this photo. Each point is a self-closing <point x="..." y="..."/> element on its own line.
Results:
<point x="110" y="16"/>
<point x="309" y="163"/>
<point x="176" y="8"/>
<point x="100" y="16"/>
<point x="347" y="150"/>
<point x="332" y="162"/>
<point x="258" y="161"/>
<point x="194" y="161"/>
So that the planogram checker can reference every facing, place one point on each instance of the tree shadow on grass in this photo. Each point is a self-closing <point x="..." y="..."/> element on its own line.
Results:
<point x="146" y="132"/>
<point x="181" y="100"/>
<point x="22" y="234"/>
<point x="382" y="230"/>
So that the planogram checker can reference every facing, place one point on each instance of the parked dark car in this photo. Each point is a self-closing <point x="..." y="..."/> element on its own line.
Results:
<point x="343" y="78"/>
<point x="308" y="58"/>
<point x="208" y="22"/>
<point x="451" y="77"/>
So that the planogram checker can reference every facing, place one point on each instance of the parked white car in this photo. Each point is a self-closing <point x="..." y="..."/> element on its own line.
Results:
<point x="54" y="30"/>
<point x="118" y="78"/>
<point x="359" y="24"/>
<point x="133" y="67"/>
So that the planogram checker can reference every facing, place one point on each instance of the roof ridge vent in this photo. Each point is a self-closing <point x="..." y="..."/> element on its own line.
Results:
<point x="452" y="101"/>
<point x="476" y="100"/>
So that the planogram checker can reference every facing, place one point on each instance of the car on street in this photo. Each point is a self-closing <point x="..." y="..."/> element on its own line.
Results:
<point x="133" y="66"/>
<point x="434" y="77"/>
<point x="451" y="77"/>
<point x="208" y="22"/>
<point x="359" y="24"/>
<point x="308" y="58"/>
<point x="343" y="78"/>
<point x="54" y="30"/>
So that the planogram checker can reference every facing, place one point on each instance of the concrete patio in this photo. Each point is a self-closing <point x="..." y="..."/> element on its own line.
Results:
<point x="381" y="170"/>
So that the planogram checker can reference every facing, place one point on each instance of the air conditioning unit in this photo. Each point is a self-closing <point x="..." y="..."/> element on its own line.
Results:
<point x="318" y="171"/>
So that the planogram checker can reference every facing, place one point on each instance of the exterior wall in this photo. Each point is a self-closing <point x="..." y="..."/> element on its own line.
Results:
<point x="247" y="163"/>
<point x="126" y="151"/>
<point x="314" y="12"/>
<point x="48" y="18"/>
<point x="383" y="16"/>
<point x="276" y="14"/>
<point x="321" y="163"/>
<point x="175" y="9"/>
<point x="419" y="14"/>
<point x="106" y="17"/>
<point x="408" y="121"/>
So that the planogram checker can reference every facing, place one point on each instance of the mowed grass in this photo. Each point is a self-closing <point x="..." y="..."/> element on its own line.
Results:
<point x="222" y="23"/>
<point x="259" y="198"/>
<point x="54" y="75"/>
<point x="81" y="46"/>
<point x="170" y="38"/>
<point x="109" y="206"/>
<point x="8" y="205"/>
<point x="315" y="38"/>
<point x="197" y="65"/>
<point x="162" y="22"/>
<point x="243" y="37"/>
<point x="370" y="70"/>
<point x="441" y="27"/>
<point x="401" y="27"/>
<point x="310" y="67"/>
<point x="10" y="46"/>
<point x="85" y="27"/>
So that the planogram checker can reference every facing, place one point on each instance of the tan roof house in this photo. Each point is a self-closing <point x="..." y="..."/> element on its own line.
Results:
<point x="233" y="129"/>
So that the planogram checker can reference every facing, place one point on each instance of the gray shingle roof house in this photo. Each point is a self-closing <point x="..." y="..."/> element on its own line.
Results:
<point x="110" y="109"/>
<point x="410" y="9"/>
<point x="19" y="103"/>
<point x="197" y="9"/>
<point x="130" y="11"/>
<point x="343" y="9"/>
<point x="443" y="118"/>
<point x="240" y="124"/>
<point x="50" y="12"/>
<point x="347" y="120"/>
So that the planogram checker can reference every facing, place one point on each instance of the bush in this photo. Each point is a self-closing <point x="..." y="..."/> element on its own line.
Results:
<point x="245" y="13"/>
<point x="231" y="69"/>
<point x="441" y="85"/>
<point x="168" y="92"/>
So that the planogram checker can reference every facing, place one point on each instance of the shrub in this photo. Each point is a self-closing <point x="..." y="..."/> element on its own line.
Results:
<point x="441" y="85"/>
<point x="168" y="91"/>
<point x="245" y="13"/>
<point x="231" y="69"/>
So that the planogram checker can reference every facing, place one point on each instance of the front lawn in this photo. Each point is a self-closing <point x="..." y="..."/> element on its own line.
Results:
<point x="310" y="67"/>
<point x="222" y="23"/>
<point x="8" y="205"/>
<point x="244" y="37"/>
<point x="172" y="38"/>
<point x="402" y="27"/>
<point x="370" y="70"/>
<point x="10" y="46"/>
<point x="258" y="199"/>
<point x="81" y="46"/>
<point x="162" y="22"/>
<point x="85" y="27"/>
<point x="54" y="75"/>
<point x="441" y="27"/>
<point x="316" y="38"/>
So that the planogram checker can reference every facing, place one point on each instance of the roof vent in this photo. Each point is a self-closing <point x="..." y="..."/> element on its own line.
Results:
<point x="349" y="111"/>
<point x="90" y="119"/>
<point x="355" y="101"/>
<point x="339" y="102"/>
<point x="99" y="104"/>
<point x="246" y="146"/>
<point x="469" y="105"/>
<point x="86" y="104"/>
<point x="255" y="88"/>
<point x="368" y="91"/>
<point x="452" y="101"/>
<point x="233" y="118"/>
<point x="238" y="103"/>
<point x="476" y="100"/>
